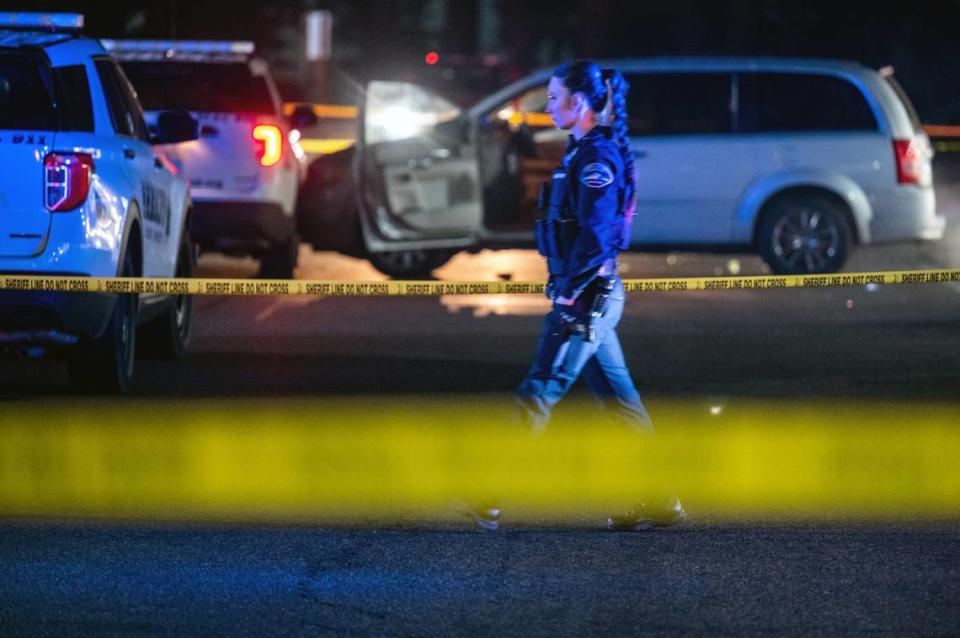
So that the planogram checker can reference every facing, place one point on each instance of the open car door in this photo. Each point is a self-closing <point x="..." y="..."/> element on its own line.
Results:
<point x="418" y="174"/>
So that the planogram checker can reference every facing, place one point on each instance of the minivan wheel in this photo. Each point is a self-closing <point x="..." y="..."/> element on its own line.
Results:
<point x="168" y="336"/>
<point x="106" y="363"/>
<point x="804" y="235"/>
<point x="409" y="264"/>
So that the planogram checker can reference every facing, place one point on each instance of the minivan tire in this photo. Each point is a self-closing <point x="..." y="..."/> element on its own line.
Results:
<point x="105" y="364"/>
<point x="409" y="264"/>
<point x="804" y="234"/>
<point x="168" y="336"/>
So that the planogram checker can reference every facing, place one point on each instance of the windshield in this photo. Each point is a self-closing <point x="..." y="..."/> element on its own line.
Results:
<point x="199" y="86"/>
<point x="26" y="96"/>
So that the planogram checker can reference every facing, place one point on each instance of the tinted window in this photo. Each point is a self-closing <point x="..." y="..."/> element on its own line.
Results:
<point x="26" y="94"/>
<point x="679" y="103"/>
<point x="120" y="115"/>
<point x="198" y="86"/>
<point x="73" y="98"/>
<point x="132" y="104"/>
<point x="911" y="111"/>
<point x="771" y="102"/>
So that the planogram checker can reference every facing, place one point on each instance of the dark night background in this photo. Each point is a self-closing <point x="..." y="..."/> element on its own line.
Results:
<point x="388" y="38"/>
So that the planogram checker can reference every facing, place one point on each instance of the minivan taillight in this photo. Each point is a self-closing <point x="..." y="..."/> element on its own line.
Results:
<point x="269" y="143"/>
<point x="66" y="180"/>
<point x="909" y="161"/>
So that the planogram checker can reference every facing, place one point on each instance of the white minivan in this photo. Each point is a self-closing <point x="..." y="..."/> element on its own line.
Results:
<point x="798" y="160"/>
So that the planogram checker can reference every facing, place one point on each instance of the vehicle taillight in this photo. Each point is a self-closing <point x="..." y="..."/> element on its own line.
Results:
<point x="909" y="161"/>
<point x="269" y="143"/>
<point x="66" y="180"/>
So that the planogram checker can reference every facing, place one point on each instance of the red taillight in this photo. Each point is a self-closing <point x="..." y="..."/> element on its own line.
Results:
<point x="269" y="143"/>
<point x="909" y="162"/>
<point x="66" y="180"/>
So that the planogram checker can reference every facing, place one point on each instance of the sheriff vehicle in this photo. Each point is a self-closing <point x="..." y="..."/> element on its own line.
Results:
<point x="85" y="192"/>
<point x="245" y="169"/>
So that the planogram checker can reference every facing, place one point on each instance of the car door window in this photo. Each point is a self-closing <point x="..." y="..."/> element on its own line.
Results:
<point x="124" y="120"/>
<point x="783" y="102"/>
<point x="679" y="104"/>
<point x="132" y="104"/>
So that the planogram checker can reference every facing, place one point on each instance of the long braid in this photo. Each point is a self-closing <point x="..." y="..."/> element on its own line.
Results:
<point x="618" y="95"/>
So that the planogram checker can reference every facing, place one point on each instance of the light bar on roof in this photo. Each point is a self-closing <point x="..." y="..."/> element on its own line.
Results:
<point x="45" y="20"/>
<point x="173" y="48"/>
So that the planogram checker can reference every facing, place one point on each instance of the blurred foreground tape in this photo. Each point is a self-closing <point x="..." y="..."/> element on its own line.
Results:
<point x="372" y="460"/>
<point x="292" y="287"/>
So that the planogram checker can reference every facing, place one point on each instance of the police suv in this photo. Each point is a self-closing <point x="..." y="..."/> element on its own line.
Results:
<point x="84" y="192"/>
<point x="246" y="166"/>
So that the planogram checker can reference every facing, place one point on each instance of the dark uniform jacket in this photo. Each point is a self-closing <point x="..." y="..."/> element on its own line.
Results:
<point x="595" y="183"/>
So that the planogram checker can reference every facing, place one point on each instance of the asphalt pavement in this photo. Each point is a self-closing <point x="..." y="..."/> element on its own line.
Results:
<point x="61" y="579"/>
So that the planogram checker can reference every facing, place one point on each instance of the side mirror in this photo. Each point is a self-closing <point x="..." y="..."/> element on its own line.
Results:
<point x="303" y="117"/>
<point x="174" y="127"/>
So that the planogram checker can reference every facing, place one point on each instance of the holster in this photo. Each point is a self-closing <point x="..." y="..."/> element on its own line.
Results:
<point x="589" y="307"/>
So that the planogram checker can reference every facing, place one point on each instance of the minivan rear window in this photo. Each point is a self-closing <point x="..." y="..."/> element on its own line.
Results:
<point x="911" y="111"/>
<point x="679" y="103"/>
<point x="785" y="102"/>
<point x="199" y="86"/>
<point x="26" y="94"/>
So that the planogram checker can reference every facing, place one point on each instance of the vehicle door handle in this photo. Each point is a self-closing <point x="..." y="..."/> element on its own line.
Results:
<point x="129" y="153"/>
<point x="639" y="154"/>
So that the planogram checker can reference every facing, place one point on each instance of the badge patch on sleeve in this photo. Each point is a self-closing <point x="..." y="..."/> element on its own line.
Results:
<point x="596" y="175"/>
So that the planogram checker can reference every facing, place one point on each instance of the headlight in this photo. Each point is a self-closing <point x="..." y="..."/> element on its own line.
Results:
<point x="399" y="111"/>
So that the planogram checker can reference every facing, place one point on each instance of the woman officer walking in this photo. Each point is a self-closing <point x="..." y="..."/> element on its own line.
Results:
<point x="587" y="225"/>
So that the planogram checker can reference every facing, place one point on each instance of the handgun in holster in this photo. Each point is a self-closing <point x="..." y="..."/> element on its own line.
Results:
<point x="590" y="307"/>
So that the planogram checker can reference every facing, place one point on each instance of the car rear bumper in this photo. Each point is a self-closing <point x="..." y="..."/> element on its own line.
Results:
<point x="240" y="227"/>
<point x="908" y="213"/>
<point x="32" y="316"/>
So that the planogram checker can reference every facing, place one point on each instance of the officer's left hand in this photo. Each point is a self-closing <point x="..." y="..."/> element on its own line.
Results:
<point x="566" y="310"/>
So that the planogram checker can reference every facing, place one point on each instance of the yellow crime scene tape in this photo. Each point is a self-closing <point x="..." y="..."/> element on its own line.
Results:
<point x="293" y="287"/>
<point x="354" y="461"/>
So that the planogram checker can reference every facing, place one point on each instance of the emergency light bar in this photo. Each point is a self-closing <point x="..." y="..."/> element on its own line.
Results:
<point x="178" y="49"/>
<point x="30" y="20"/>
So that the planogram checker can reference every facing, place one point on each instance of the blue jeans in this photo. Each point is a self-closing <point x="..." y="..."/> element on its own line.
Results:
<point x="563" y="356"/>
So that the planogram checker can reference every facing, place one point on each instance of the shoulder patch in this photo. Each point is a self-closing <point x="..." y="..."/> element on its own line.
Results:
<point x="596" y="175"/>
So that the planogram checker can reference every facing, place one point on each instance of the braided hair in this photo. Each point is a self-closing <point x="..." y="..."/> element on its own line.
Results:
<point x="605" y="89"/>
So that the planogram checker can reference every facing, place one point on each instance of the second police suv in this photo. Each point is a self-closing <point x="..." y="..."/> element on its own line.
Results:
<point x="85" y="192"/>
<point x="245" y="169"/>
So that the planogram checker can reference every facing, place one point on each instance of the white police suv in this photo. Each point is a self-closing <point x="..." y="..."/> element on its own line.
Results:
<point x="84" y="192"/>
<point x="245" y="168"/>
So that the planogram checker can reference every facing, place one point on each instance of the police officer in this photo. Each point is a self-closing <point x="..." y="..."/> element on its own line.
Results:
<point x="591" y="203"/>
<point x="587" y="225"/>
